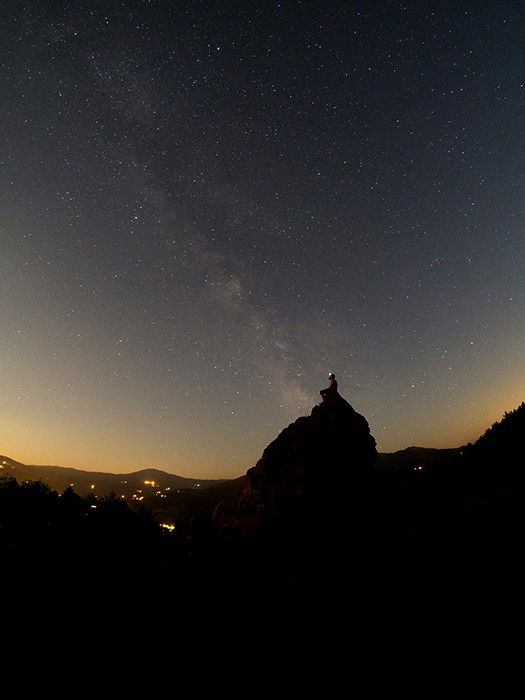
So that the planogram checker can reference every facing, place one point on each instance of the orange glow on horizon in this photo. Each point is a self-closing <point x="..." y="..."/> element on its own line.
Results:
<point x="462" y="423"/>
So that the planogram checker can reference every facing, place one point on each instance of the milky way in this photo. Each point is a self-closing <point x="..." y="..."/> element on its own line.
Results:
<point x="208" y="206"/>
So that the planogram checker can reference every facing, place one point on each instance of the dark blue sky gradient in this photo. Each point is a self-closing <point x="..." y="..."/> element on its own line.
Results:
<point x="208" y="206"/>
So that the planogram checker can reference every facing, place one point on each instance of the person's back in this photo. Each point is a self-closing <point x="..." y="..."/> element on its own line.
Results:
<point x="331" y="390"/>
<point x="332" y="383"/>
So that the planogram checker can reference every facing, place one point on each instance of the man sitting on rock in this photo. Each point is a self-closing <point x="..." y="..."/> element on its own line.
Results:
<point x="331" y="391"/>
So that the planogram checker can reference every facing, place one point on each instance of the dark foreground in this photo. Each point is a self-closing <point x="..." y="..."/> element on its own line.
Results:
<point x="376" y="557"/>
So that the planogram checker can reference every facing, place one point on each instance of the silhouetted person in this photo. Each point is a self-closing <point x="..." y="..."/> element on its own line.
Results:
<point x="331" y="391"/>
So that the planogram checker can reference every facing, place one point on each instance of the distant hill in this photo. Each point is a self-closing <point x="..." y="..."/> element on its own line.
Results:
<point x="135" y="485"/>
<point x="414" y="457"/>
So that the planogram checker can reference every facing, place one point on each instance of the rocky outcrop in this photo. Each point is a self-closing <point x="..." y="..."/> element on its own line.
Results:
<point x="308" y="471"/>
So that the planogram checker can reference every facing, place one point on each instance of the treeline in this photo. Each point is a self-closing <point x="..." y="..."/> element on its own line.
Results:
<point x="68" y="554"/>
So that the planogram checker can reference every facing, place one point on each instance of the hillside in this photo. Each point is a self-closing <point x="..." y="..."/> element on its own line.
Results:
<point x="135" y="485"/>
<point x="415" y="457"/>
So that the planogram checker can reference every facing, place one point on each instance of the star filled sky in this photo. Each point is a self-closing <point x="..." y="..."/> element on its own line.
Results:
<point x="208" y="206"/>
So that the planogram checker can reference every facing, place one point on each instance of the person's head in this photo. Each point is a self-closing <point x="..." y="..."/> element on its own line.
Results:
<point x="331" y="375"/>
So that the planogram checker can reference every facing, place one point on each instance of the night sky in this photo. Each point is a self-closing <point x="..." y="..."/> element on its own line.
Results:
<point x="206" y="207"/>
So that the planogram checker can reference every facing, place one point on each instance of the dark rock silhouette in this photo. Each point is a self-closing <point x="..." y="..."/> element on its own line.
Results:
<point x="305" y="470"/>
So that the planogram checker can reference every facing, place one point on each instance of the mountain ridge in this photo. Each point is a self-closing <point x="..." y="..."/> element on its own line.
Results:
<point x="99" y="482"/>
<point x="45" y="471"/>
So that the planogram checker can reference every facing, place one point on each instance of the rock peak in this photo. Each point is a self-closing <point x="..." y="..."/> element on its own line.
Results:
<point x="316" y="456"/>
